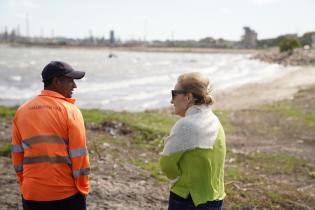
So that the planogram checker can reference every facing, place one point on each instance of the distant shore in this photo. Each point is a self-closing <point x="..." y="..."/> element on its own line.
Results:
<point x="145" y="49"/>
<point x="299" y="57"/>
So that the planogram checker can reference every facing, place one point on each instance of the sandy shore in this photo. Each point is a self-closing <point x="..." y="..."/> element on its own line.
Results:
<point x="283" y="87"/>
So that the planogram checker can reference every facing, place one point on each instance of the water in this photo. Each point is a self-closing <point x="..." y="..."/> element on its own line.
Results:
<point x="131" y="81"/>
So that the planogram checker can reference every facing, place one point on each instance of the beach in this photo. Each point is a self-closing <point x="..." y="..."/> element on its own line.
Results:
<point x="264" y="92"/>
<point x="270" y="132"/>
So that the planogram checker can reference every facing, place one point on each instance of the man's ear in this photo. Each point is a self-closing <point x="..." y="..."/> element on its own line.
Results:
<point x="55" y="82"/>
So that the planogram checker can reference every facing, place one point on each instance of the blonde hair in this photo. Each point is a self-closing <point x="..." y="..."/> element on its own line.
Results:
<point x="197" y="84"/>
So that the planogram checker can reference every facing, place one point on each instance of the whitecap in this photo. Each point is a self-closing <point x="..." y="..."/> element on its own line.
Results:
<point x="16" y="78"/>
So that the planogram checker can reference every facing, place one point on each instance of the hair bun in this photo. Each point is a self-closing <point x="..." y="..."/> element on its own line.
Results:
<point x="199" y="85"/>
<point x="208" y="99"/>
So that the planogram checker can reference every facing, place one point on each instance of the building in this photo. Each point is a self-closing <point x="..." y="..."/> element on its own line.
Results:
<point x="249" y="39"/>
<point x="112" y="37"/>
<point x="313" y="41"/>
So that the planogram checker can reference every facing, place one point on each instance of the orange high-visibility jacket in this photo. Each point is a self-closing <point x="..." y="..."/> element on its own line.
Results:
<point x="49" y="150"/>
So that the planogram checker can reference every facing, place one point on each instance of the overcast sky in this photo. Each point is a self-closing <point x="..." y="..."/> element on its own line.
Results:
<point x="158" y="19"/>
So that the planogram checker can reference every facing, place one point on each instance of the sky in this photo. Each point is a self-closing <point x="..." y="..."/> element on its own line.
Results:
<point x="157" y="19"/>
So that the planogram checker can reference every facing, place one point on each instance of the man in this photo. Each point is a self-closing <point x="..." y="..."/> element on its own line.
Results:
<point x="49" y="150"/>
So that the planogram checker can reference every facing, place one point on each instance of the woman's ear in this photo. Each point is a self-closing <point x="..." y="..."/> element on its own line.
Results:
<point x="190" y="98"/>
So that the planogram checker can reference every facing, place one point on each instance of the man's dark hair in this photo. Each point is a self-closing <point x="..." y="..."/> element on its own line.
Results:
<point x="47" y="83"/>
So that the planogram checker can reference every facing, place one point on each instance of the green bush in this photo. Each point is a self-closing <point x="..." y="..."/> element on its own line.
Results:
<point x="288" y="43"/>
<point x="312" y="174"/>
<point x="5" y="150"/>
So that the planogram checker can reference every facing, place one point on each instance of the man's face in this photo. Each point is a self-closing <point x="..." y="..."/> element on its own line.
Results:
<point x="65" y="86"/>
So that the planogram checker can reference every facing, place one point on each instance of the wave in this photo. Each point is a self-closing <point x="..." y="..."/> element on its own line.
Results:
<point x="132" y="81"/>
<point x="127" y="83"/>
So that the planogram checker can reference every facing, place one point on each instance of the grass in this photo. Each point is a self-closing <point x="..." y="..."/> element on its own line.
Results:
<point x="155" y="121"/>
<point x="234" y="173"/>
<point x="95" y="116"/>
<point x="224" y="119"/>
<point x="277" y="180"/>
<point x="310" y="119"/>
<point x="152" y="167"/>
<point x="275" y="196"/>
<point x="312" y="174"/>
<point x="277" y="163"/>
<point x="148" y="127"/>
<point x="252" y="181"/>
<point x="288" y="109"/>
<point x="248" y="168"/>
<point x="5" y="150"/>
<point x="7" y="112"/>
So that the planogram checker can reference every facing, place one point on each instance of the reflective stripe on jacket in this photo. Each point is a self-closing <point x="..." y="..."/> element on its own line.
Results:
<point x="49" y="150"/>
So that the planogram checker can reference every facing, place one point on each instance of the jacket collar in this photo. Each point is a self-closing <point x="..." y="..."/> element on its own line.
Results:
<point x="54" y="94"/>
<point x="197" y="109"/>
<point x="198" y="129"/>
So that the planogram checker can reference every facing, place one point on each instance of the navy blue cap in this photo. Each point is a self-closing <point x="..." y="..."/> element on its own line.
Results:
<point x="59" y="68"/>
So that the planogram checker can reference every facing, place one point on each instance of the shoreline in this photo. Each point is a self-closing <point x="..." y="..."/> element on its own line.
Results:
<point x="241" y="97"/>
<point x="260" y="93"/>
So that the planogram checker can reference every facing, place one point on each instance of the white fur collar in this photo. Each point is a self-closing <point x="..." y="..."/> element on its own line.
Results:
<point x="198" y="129"/>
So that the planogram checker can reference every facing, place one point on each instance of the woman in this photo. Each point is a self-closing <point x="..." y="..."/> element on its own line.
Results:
<point x="194" y="152"/>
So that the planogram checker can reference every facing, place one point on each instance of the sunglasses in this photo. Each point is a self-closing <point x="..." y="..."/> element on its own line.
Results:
<point x="177" y="92"/>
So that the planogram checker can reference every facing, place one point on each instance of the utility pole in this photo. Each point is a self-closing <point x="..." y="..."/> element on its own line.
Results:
<point x="145" y="28"/>
<point x="41" y="32"/>
<point x="52" y="33"/>
<point x="18" y="32"/>
<point x="27" y="25"/>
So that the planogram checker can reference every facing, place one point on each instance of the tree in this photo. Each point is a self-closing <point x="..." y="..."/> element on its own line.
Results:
<point x="12" y="35"/>
<point x="306" y="39"/>
<point x="288" y="43"/>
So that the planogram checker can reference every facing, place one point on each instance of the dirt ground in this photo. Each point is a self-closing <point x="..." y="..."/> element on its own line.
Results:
<point x="117" y="182"/>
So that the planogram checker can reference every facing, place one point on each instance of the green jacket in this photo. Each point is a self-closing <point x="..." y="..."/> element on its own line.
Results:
<point x="198" y="172"/>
